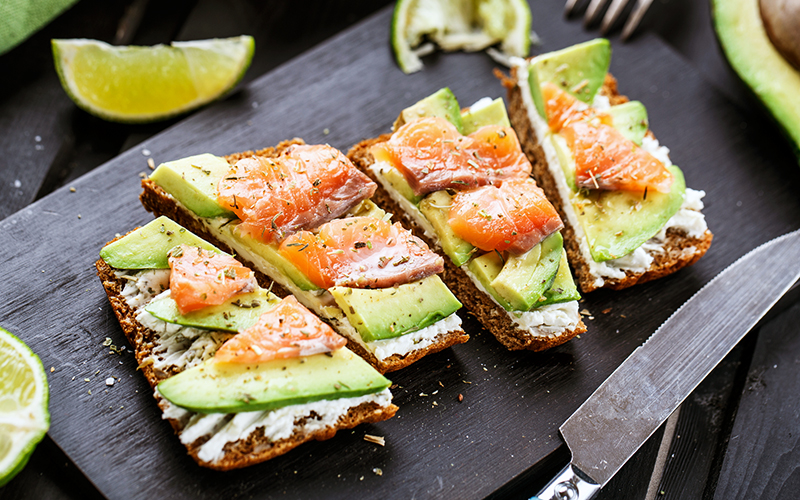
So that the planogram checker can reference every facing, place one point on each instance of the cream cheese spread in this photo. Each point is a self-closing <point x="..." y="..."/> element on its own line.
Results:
<point x="181" y="347"/>
<point x="688" y="218"/>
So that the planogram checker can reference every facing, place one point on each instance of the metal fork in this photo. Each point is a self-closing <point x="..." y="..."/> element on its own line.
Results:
<point x="595" y="8"/>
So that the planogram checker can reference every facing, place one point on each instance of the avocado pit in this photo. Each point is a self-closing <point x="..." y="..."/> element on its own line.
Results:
<point x="782" y="23"/>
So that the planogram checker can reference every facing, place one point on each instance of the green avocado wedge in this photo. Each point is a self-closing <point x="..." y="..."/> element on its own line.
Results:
<point x="580" y="70"/>
<point x="492" y="114"/>
<point x="758" y="63"/>
<point x="441" y="103"/>
<point x="385" y="313"/>
<point x="236" y="314"/>
<point x="525" y="278"/>
<point x="630" y="119"/>
<point x="148" y="247"/>
<point x="213" y="387"/>
<point x="618" y="222"/>
<point x="563" y="288"/>
<point x="193" y="181"/>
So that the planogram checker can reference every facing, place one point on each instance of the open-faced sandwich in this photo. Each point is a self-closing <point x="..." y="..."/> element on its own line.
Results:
<point x="241" y="375"/>
<point x="628" y="215"/>
<point x="463" y="183"/>
<point x="301" y="215"/>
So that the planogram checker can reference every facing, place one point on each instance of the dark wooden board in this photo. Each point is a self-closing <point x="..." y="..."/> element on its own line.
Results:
<point x="762" y="459"/>
<point x="505" y="431"/>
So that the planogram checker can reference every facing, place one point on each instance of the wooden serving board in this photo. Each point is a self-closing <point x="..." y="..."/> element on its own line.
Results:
<point x="505" y="431"/>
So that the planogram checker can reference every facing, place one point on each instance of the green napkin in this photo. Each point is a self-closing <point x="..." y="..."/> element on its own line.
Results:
<point x="19" y="19"/>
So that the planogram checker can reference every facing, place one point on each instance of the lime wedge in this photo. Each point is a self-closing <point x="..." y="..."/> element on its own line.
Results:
<point x="24" y="418"/>
<point x="144" y="84"/>
<point x="468" y="25"/>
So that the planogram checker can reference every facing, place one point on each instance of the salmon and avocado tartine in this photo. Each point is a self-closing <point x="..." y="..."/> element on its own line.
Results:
<point x="629" y="217"/>
<point x="241" y="375"/>
<point x="463" y="184"/>
<point x="300" y="215"/>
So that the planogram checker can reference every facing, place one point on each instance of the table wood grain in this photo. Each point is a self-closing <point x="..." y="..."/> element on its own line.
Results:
<point x="743" y="141"/>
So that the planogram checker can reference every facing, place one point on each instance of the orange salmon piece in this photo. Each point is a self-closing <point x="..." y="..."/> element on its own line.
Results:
<point x="201" y="278"/>
<point x="604" y="158"/>
<point x="303" y="188"/>
<point x="515" y="216"/>
<point x="288" y="330"/>
<point x="361" y="252"/>
<point x="432" y="155"/>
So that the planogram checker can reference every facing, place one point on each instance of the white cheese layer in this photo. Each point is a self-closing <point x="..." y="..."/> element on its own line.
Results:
<point x="688" y="219"/>
<point x="180" y="347"/>
<point x="546" y="321"/>
<point x="321" y="301"/>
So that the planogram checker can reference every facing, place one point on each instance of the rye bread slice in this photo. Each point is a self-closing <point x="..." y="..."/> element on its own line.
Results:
<point x="249" y="450"/>
<point x="159" y="202"/>
<point x="493" y="317"/>
<point x="679" y="249"/>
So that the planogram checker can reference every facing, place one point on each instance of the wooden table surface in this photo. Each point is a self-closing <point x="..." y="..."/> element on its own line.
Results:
<point x="734" y="437"/>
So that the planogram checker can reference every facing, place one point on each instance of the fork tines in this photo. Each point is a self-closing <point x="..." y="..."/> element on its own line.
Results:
<point x="614" y="11"/>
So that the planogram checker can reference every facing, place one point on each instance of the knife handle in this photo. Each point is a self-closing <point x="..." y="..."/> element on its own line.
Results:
<point x="568" y="485"/>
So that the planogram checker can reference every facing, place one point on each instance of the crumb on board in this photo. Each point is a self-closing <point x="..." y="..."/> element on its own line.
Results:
<point x="379" y="440"/>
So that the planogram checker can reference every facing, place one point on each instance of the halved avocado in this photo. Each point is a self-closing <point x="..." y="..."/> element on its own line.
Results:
<point x="745" y="42"/>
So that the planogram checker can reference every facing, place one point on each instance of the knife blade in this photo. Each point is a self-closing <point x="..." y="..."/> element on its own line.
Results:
<point x="653" y="381"/>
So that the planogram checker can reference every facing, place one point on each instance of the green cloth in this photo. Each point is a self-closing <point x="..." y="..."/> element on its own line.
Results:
<point x="19" y="19"/>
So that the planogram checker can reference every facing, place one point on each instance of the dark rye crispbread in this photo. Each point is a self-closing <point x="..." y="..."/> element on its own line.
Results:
<point x="254" y="448"/>
<point x="159" y="202"/>
<point x="680" y="249"/>
<point x="493" y="317"/>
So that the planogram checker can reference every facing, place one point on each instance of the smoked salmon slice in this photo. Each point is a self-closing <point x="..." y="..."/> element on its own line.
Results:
<point x="288" y="330"/>
<point x="361" y="252"/>
<point x="604" y="158"/>
<point x="515" y="216"/>
<point x="201" y="278"/>
<point x="432" y="155"/>
<point x="302" y="188"/>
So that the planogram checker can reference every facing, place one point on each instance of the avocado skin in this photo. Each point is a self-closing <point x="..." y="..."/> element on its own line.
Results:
<point x="193" y="181"/>
<point x="758" y="63"/>
<point x="234" y="315"/>
<point x="213" y="387"/>
<point x="148" y="247"/>
<point x="386" y="313"/>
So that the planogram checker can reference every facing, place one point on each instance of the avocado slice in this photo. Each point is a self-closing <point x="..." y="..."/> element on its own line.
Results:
<point x="270" y="253"/>
<point x="524" y="279"/>
<point x="193" y="181"/>
<point x="486" y="268"/>
<point x="148" y="247"/>
<point x="563" y="288"/>
<point x="758" y="63"/>
<point x="630" y="119"/>
<point x="492" y="114"/>
<point x="213" y="387"/>
<point x="442" y="103"/>
<point x="436" y="208"/>
<point x="236" y="314"/>
<point x="565" y="159"/>
<point x="400" y="184"/>
<point x="386" y="313"/>
<point x="618" y="222"/>
<point x="579" y="70"/>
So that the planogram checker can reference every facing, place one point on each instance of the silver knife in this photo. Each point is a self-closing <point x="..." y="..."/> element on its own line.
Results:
<point x="654" y="380"/>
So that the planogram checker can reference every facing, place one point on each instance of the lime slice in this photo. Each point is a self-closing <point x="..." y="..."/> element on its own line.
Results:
<point x="469" y="25"/>
<point x="144" y="84"/>
<point x="24" y="418"/>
